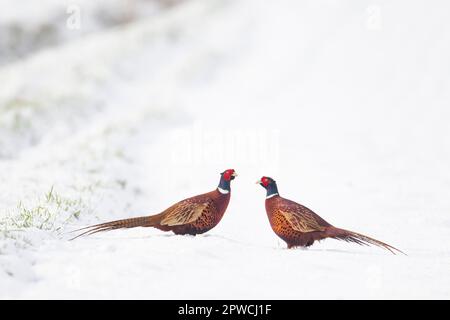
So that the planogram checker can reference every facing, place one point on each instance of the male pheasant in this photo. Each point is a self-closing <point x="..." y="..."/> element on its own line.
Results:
<point x="191" y="216"/>
<point x="299" y="226"/>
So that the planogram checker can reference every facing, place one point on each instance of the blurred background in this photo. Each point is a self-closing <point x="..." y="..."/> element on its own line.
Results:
<point x="28" y="28"/>
<point x="118" y="108"/>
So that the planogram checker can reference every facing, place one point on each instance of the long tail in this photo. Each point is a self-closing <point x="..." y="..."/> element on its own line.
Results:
<point x="148" y="221"/>
<point x="350" y="236"/>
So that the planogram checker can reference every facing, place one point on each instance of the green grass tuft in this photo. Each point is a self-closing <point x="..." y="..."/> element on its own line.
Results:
<point x="50" y="213"/>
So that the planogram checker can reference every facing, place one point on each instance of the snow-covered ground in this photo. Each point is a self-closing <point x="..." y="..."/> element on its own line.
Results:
<point x="26" y="27"/>
<point x="345" y="103"/>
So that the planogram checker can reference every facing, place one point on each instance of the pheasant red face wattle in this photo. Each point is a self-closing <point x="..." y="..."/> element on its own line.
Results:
<point x="229" y="174"/>
<point x="265" y="181"/>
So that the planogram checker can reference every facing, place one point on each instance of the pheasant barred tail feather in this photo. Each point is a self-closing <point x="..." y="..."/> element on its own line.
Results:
<point x="148" y="221"/>
<point x="350" y="236"/>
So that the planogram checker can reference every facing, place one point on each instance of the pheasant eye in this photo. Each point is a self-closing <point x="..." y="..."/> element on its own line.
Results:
<point x="265" y="181"/>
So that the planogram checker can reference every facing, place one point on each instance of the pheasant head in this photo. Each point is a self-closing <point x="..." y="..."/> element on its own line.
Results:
<point x="270" y="185"/>
<point x="225" y="181"/>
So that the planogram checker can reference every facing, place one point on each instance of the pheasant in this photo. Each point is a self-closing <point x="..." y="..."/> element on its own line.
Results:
<point x="191" y="216"/>
<point x="299" y="226"/>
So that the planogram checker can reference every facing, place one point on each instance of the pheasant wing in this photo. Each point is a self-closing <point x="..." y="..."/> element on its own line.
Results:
<point x="301" y="218"/>
<point x="185" y="212"/>
<point x="302" y="222"/>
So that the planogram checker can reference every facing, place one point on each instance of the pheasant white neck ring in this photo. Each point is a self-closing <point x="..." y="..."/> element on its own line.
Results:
<point x="223" y="191"/>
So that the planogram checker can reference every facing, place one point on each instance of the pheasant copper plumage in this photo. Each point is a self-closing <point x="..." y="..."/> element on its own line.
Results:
<point x="299" y="226"/>
<point x="191" y="216"/>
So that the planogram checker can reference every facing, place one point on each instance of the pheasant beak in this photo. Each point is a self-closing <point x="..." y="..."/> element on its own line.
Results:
<point x="234" y="174"/>
<point x="258" y="182"/>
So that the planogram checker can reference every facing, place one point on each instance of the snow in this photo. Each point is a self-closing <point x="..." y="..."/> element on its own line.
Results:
<point x="345" y="104"/>
<point x="26" y="28"/>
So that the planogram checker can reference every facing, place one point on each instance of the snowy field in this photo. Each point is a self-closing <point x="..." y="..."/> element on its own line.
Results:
<point x="345" y="103"/>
